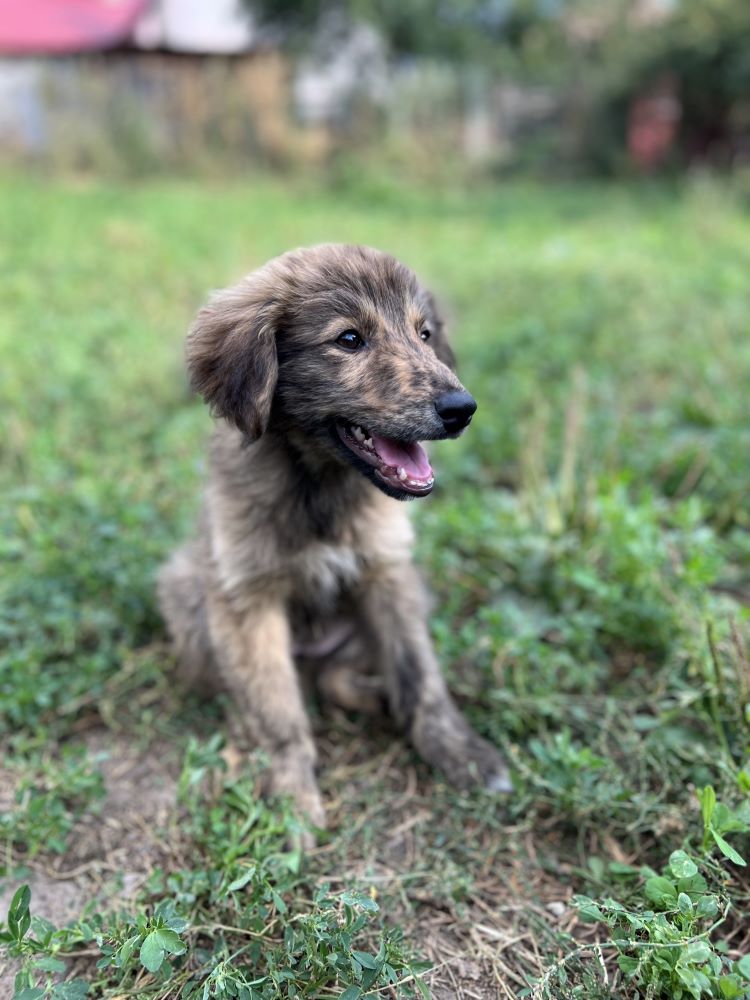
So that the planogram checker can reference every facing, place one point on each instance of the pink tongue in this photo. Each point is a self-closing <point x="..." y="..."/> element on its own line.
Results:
<point x="412" y="458"/>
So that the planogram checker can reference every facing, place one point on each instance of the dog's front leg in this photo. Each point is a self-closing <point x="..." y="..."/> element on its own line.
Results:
<point x="252" y="640"/>
<point x="395" y="612"/>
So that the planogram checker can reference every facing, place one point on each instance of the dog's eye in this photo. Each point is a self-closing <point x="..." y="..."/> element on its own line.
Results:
<point x="425" y="334"/>
<point x="350" y="340"/>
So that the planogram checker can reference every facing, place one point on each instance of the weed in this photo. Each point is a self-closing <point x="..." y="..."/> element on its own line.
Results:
<point x="234" y="925"/>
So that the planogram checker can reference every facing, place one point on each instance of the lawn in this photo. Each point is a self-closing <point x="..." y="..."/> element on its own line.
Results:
<point x="589" y="553"/>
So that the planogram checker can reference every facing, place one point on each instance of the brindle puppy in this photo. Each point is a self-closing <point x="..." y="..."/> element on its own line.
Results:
<point x="327" y="366"/>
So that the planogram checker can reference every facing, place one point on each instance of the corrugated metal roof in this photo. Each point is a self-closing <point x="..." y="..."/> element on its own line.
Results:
<point x="55" y="27"/>
<point x="65" y="26"/>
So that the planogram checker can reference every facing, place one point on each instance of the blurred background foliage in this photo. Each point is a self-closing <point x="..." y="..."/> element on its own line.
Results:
<point x="468" y="89"/>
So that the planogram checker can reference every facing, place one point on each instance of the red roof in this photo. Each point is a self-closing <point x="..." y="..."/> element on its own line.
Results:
<point x="64" y="26"/>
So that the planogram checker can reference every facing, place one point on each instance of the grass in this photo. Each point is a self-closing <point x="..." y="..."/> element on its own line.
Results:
<point x="588" y="547"/>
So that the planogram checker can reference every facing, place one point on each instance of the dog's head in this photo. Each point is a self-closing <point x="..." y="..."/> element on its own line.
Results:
<point x="339" y="348"/>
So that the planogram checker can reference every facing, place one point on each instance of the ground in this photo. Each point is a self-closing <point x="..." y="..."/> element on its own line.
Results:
<point x="587" y="545"/>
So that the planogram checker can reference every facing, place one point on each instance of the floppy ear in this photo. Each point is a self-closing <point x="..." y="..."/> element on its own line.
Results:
<point x="439" y="339"/>
<point x="231" y="354"/>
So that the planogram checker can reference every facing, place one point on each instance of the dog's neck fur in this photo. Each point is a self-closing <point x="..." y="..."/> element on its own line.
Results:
<point x="319" y="495"/>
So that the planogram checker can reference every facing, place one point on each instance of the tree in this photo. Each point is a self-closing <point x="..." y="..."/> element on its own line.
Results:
<point x="477" y="31"/>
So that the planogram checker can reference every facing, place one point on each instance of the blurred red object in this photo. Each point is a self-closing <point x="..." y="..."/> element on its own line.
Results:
<point x="652" y="125"/>
<point x="57" y="27"/>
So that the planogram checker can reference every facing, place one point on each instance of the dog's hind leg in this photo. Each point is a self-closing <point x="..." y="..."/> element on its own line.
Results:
<point x="182" y="598"/>
<point x="350" y="679"/>
<point x="335" y="663"/>
<point x="351" y="688"/>
<point x="394" y="608"/>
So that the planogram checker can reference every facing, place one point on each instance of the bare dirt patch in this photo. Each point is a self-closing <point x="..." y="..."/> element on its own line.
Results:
<point x="113" y="848"/>
<point x="465" y="888"/>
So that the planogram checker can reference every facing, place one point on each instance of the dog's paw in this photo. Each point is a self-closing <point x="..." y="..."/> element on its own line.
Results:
<point x="499" y="782"/>
<point x="446" y="740"/>
<point x="308" y="808"/>
<point x="478" y="763"/>
<point x="295" y="779"/>
<point x="309" y="805"/>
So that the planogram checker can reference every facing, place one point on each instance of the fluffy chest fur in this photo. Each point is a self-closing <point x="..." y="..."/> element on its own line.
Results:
<point x="322" y="571"/>
<point x="268" y="530"/>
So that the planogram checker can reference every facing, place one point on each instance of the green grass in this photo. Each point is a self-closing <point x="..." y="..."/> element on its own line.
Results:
<point x="589" y="551"/>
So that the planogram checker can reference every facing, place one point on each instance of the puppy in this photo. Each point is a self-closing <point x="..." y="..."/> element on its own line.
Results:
<point x="326" y="368"/>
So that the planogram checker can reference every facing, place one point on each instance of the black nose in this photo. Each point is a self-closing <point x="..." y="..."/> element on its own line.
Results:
<point x="455" y="409"/>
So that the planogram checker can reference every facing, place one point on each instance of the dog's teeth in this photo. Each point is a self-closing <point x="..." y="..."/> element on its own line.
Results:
<point x="359" y="435"/>
<point x="401" y="473"/>
<point x="368" y="443"/>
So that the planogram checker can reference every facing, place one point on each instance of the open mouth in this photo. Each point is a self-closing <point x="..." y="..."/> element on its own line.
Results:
<point x="401" y="465"/>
